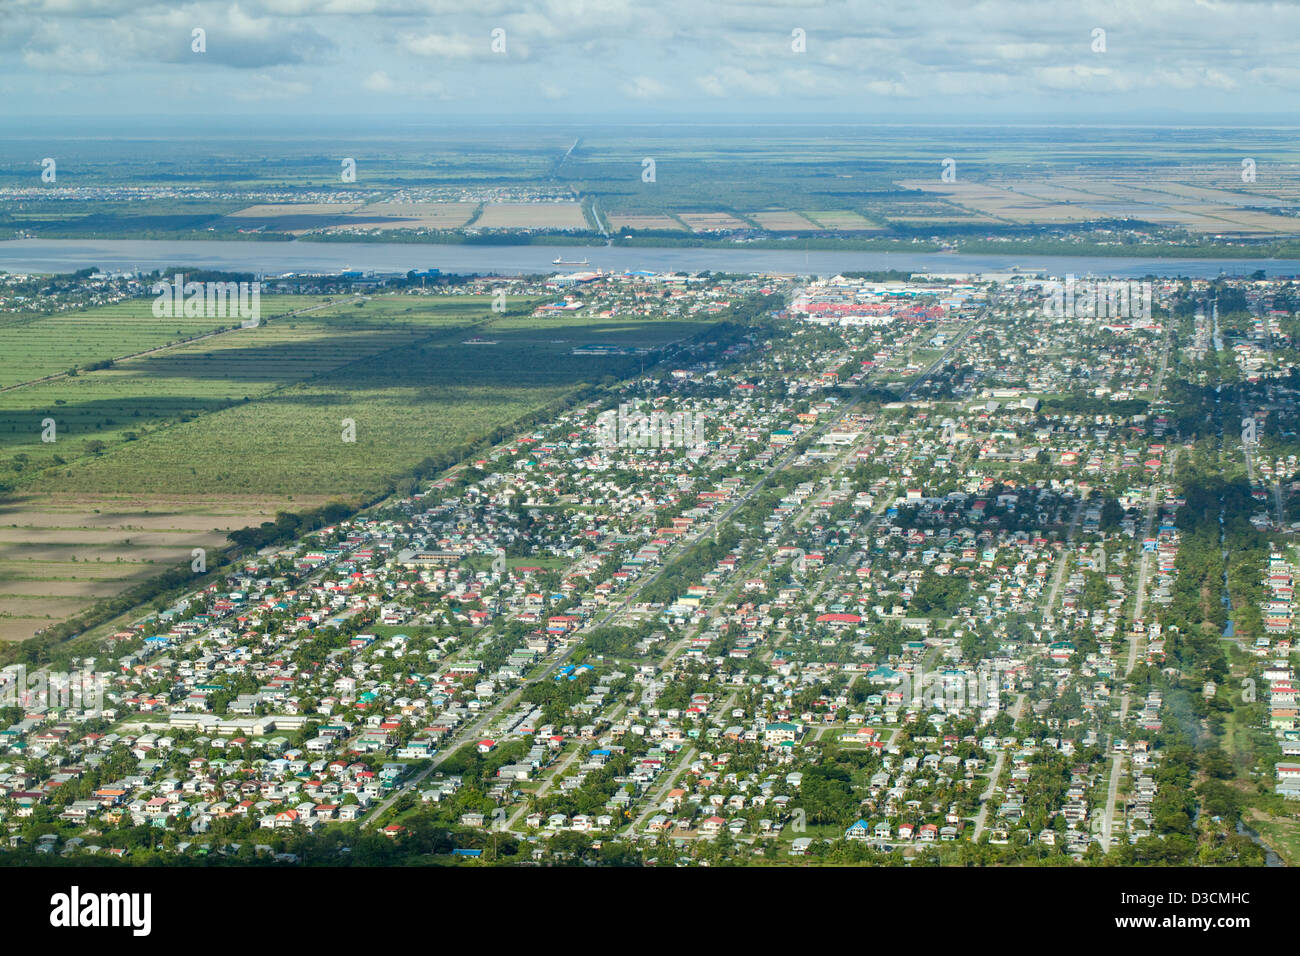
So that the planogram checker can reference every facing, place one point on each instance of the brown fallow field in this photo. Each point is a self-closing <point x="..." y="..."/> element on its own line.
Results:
<point x="782" y="220"/>
<point x="532" y="215"/>
<point x="59" y="553"/>
<point x="712" y="221"/>
<point x="1166" y="201"/>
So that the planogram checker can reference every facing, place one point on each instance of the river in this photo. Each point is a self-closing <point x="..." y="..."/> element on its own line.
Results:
<point x="275" y="258"/>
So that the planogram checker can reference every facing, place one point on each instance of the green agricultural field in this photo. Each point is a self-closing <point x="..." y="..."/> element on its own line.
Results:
<point x="138" y="396"/>
<point x="406" y="404"/>
<point x="33" y="347"/>
<point x="260" y="411"/>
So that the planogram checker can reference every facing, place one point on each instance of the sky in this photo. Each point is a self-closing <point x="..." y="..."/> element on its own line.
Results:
<point x="650" y="60"/>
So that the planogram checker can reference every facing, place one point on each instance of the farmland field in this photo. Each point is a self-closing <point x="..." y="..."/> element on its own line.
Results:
<point x="710" y="181"/>
<point x="710" y="221"/>
<point x="1074" y="198"/>
<point x="299" y="218"/>
<point x="137" y="396"/>
<point x="36" y="346"/>
<point x="290" y="217"/>
<point x="406" y="404"/>
<point x="648" y="221"/>
<point x="553" y="215"/>
<point x="842" y="220"/>
<point x="60" y="553"/>
<point x="418" y="215"/>
<point x="782" y="221"/>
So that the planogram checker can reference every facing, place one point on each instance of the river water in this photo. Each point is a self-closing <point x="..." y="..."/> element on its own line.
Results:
<point x="1270" y="855"/>
<point x="275" y="258"/>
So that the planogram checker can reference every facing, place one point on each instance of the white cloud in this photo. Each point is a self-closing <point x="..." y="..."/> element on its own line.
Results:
<point x="734" y="80"/>
<point x="644" y="88"/>
<point x="263" y="86"/>
<point x="377" y="82"/>
<point x="446" y="47"/>
<point x="674" y="53"/>
<point x="381" y="82"/>
<point x="66" y="59"/>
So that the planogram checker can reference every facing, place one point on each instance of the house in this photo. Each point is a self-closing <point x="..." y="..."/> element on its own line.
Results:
<point x="781" y="732"/>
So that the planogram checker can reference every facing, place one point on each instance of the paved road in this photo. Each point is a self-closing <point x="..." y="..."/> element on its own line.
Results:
<point x="1139" y="606"/>
<point x="995" y="776"/>
<point x="654" y="800"/>
<point x="1112" y="792"/>
<point x="557" y="773"/>
<point x="1018" y="706"/>
<point x="1059" y="576"/>
<point x="475" y="728"/>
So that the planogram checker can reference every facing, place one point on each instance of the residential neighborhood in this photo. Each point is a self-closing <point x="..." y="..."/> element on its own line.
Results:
<point x="925" y="588"/>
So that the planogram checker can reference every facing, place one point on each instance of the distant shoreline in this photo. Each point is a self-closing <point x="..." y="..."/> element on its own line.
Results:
<point x="768" y="243"/>
<point x="278" y="258"/>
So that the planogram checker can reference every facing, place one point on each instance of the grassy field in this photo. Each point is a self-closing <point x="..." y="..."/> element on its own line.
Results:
<point x="650" y="221"/>
<point x="169" y="451"/>
<point x="36" y="346"/>
<point x="135" y="398"/>
<point x="783" y="221"/>
<point x="532" y="216"/>
<point x="299" y="218"/>
<point x="1280" y="833"/>
<point x="268" y="418"/>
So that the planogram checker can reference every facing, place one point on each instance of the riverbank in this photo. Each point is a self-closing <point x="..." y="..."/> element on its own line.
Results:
<point x="278" y="258"/>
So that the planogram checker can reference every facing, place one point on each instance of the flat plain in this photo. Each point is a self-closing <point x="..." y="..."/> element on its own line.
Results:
<point x="833" y="183"/>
